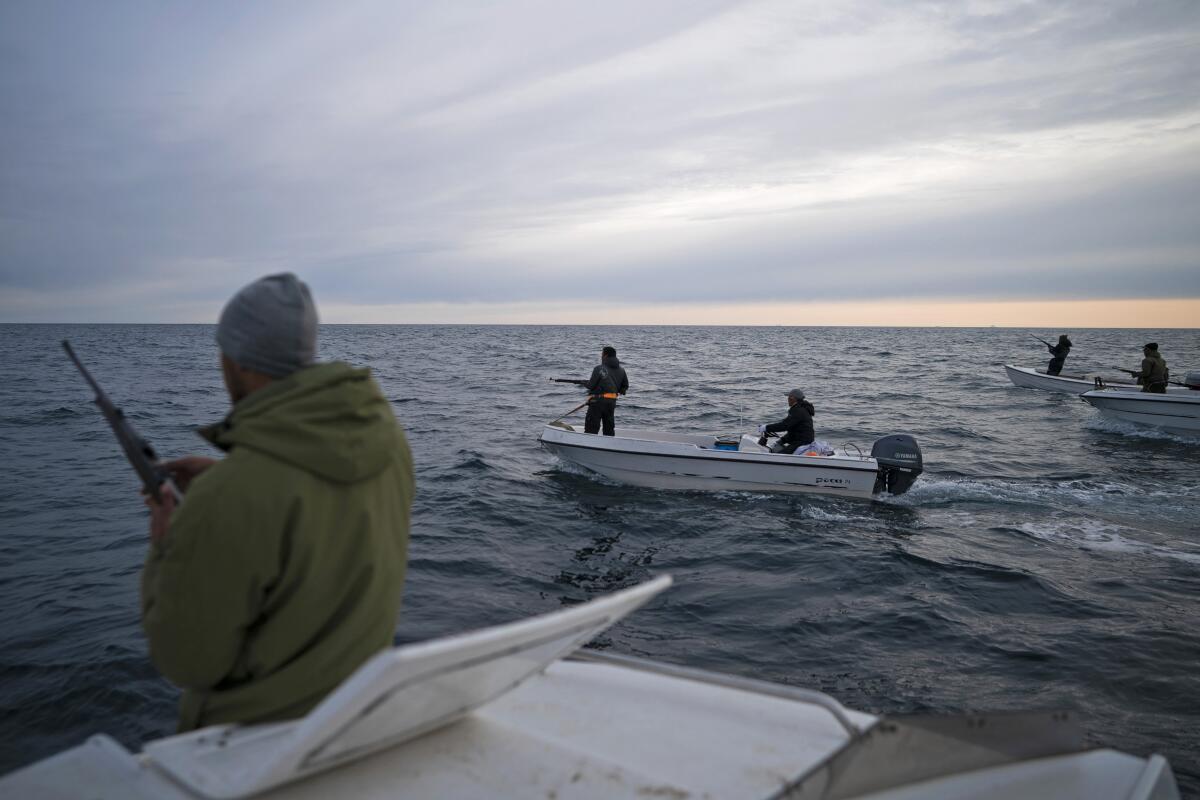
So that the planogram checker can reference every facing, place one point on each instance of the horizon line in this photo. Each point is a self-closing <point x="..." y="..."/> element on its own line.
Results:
<point x="998" y="326"/>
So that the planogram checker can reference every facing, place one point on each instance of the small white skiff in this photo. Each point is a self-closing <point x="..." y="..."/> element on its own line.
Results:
<point x="665" y="460"/>
<point x="1029" y="378"/>
<point x="498" y="714"/>
<point x="1176" y="412"/>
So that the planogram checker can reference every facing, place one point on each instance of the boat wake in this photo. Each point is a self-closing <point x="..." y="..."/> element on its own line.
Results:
<point x="1089" y="534"/>
<point x="932" y="492"/>
<point x="1108" y="425"/>
<point x="822" y="515"/>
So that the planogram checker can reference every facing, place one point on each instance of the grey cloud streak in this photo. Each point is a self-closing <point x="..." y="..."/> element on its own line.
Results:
<point x="710" y="152"/>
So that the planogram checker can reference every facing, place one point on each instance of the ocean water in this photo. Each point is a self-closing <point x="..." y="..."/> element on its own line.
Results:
<point x="1045" y="559"/>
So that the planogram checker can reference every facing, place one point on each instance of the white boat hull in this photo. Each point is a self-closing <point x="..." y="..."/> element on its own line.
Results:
<point x="645" y="458"/>
<point x="1177" y="413"/>
<point x="1028" y="378"/>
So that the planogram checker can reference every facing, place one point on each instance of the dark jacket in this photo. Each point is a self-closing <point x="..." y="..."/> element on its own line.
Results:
<point x="1059" y="352"/>
<point x="283" y="567"/>
<point x="798" y="423"/>
<point x="608" y="377"/>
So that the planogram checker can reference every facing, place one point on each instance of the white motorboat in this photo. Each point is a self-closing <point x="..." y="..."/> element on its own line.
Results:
<point x="1176" y="411"/>
<point x="1029" y="378"/>
<point x="665" y="460"/>
<point x="501" y="713"/>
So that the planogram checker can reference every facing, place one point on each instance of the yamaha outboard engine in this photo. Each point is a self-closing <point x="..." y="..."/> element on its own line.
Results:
<point x="899" y="463"/>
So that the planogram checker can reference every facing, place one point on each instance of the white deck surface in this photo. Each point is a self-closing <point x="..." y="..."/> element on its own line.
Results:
<point x="579" y="730"/>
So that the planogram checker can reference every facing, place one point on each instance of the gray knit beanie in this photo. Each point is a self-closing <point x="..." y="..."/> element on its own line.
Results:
<point x="270" y="326"/>
<point x="796" y="393"/>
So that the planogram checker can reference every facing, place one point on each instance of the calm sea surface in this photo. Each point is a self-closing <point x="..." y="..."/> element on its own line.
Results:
<point x="1045" y="559"/>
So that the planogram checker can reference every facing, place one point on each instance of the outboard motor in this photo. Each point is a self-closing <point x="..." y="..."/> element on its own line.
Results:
<point x="899" y="463"/>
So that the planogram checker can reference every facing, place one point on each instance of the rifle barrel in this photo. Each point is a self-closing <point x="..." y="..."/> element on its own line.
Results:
<point x="87" y="376"/>
<point x="138" y="452"/>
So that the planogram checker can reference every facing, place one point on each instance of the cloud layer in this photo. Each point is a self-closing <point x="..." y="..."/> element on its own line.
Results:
<point x="536" y="152"/>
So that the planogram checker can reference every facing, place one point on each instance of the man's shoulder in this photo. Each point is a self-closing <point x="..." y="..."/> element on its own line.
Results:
<point x="243" y="472"/>
<point x="244" y="491"/>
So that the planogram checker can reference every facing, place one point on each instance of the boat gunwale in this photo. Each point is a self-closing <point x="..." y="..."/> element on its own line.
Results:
<point x="1140" y="397"/>
<point x="1033" y="372"/>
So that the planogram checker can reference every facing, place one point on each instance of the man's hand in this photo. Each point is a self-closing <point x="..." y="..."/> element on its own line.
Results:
<point x="762" y="428"/>
<point x="183" y="470"/>
<point x="160" y="513"/>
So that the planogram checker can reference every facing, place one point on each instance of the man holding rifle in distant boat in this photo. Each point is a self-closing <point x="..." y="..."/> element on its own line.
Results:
<point x="1154" y="375"/>
<point x="607" y="383"/>
<point x="1058" y="353"/>
<point x="281" y="571"/>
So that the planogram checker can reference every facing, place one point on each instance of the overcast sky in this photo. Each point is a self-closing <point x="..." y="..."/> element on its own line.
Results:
<point x="436" y="160"/>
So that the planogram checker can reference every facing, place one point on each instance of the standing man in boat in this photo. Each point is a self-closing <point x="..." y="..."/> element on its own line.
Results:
<point x="798" y="424"/>
<point x="608" y="382"/>
<point x="1153" y="375"/>
<point x="1058" y="353"/>
<point x="282" y="570"/>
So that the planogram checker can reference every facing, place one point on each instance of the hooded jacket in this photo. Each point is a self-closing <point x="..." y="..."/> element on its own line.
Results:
<point x="1154" y="373"/>
<point x="283" y="568"/>
<point x="608" y="377"/>
<point x="1061" y="349"/>
<point x="798" y="423"/>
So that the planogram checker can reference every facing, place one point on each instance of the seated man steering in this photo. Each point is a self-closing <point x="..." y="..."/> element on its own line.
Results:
<point x="798" y="425"/>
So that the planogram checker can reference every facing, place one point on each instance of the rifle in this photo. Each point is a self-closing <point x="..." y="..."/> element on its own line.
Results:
<point x="569" y="413"/>
<point x="569" y="380"/>
<point x="137" y="450"/>
<point x="1174" y="383"/>
<point x="1135" y="372"/>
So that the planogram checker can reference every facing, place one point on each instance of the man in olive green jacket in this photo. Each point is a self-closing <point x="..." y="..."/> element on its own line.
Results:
<point x="1153" y="375"/>
<point x="282" y="571"/>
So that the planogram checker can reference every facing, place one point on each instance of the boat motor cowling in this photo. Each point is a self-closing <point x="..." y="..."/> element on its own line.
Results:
<point x="900" y="463"/>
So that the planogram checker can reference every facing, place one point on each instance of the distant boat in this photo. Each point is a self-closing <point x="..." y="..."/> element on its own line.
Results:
<point x="509" y="713"/>
<point x="667" y="460"/>
<point x="1176" y="412"/>
<point x="1029" y="378"/>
